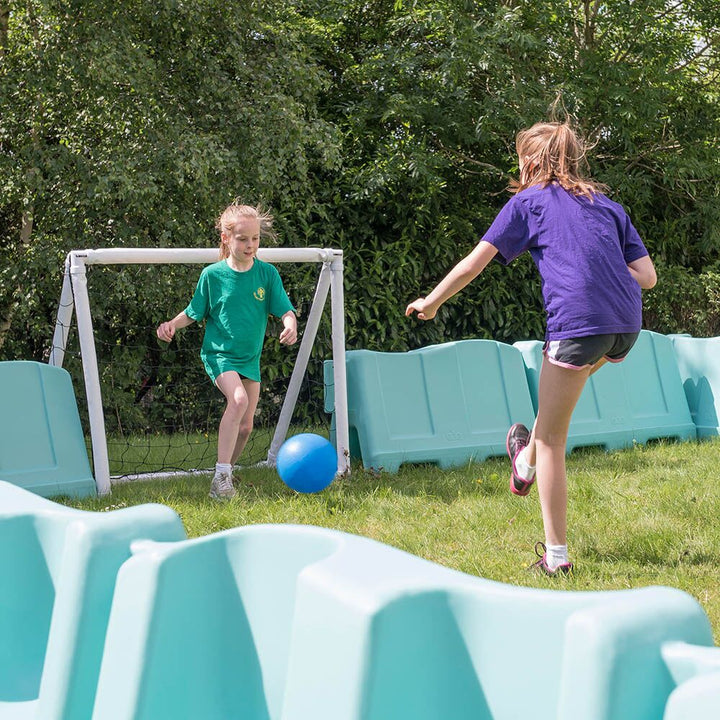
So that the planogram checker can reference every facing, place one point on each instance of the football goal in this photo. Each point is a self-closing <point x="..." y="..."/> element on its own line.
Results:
<point x="151" y="411"/>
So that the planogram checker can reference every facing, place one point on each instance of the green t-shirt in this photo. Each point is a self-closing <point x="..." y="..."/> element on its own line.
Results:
<point x="236" y="306"/>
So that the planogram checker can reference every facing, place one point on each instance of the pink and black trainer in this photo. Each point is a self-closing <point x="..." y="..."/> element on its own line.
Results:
<point x="542" y="566"/>
<point x="517" y="438"/>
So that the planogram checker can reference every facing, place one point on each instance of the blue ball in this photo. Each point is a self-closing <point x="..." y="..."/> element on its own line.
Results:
<point x="307" y="463"/>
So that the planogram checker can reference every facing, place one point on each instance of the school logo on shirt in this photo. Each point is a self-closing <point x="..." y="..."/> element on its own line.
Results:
<point x="259" y="294"/>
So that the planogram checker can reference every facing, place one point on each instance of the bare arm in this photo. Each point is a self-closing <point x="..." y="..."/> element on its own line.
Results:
<point x="643" y="271"/>
<point x="289" y="334"/>
<point x="460" y="276"/>
<point x="166" y="331"/>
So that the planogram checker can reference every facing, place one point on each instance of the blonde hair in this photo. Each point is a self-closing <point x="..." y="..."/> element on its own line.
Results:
<point x="553" y="152"/>
<point x="236" y="210"/>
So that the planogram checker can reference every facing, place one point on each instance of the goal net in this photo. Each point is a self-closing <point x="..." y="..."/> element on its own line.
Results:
<point x="150" y="408"/>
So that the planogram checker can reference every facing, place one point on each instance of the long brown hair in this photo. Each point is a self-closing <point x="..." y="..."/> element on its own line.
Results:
<point x="236" y="210"/>
<point x="553" y="152"/>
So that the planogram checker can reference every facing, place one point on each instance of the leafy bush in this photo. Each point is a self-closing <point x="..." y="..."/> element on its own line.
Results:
<point x="381" y="128"/>
<point x="684" y="302"/>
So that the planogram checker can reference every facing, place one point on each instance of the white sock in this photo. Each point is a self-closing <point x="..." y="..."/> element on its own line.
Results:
<point x="556" y="555"/>
<point x="225" y="468"/>
<point x="523" y="467"/>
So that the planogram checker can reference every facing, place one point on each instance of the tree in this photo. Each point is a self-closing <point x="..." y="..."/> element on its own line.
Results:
<point x="134" y="123"/>
<point x="429" y="96"/>
<point x="383" y="128"/>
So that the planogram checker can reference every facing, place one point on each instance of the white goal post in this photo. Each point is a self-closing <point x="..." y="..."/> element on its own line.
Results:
<point x="74" y="295"/>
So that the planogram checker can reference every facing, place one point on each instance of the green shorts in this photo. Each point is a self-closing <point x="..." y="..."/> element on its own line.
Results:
<point x="216" y="364"/>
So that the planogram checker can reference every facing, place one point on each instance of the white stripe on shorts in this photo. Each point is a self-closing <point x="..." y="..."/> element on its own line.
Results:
<point x="552" y="349"/>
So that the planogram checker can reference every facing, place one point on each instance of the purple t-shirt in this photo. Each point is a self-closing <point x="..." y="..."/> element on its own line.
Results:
<point x="582" y="249"/>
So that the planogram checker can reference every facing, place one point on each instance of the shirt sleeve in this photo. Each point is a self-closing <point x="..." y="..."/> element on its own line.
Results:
<point x="510" y="232"/>
<point x="279" y="301"/>
<point x="198" y="307"/>
<point x="633" y="247"/>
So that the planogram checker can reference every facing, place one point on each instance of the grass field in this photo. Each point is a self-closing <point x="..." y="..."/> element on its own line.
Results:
<point x="644" y="516"/>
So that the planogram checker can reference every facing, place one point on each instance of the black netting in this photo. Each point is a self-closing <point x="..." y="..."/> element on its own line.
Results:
<point x="161" y="409"/>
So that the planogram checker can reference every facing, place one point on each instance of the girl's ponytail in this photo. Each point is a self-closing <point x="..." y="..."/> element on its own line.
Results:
<point x="553" y="152"/>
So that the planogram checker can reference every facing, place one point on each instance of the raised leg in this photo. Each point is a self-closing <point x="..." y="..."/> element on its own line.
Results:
<point x="558" y="392"/>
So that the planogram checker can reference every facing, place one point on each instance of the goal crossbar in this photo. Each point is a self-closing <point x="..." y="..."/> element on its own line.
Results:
<point x="75" y="297"/>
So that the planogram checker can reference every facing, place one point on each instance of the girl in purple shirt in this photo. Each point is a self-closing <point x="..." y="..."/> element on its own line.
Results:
<point x="592" y="264"/>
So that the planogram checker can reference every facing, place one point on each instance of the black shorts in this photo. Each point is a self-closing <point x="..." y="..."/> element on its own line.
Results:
<point x="579" y="353"/>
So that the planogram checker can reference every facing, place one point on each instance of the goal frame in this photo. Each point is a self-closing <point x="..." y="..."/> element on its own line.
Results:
<point x="74" y="296"/>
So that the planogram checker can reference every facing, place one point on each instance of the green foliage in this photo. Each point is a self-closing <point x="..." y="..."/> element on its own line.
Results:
<point x="134" y="124"/>
<point x="386" y="129"/>
<point x="431" y="94"/>
<point x="684" y="302"/>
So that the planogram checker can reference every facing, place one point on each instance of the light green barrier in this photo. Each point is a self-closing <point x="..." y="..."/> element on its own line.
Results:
<point x="698" y="361"/>
<point x="116" y="616"/>
<point x="282" y="622"/>
<point x="696" y="670"/>
<point x="58" y="568"/>
<point x="634" y="401"/>
<point x="41" y="441"/>
<point x="445" y="404"/>
<point x="452" y="403"/>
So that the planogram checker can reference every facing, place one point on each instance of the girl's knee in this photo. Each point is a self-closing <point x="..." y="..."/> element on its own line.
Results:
<point x="237" y="405"/>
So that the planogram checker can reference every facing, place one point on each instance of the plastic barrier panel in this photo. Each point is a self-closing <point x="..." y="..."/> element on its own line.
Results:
<point x="282" y="622"/>
<point x="637" y="400"/>
<point x="698" y="361"/>
<point x="42" y="447"/>
<point x="58" y="568"/>
<point x="696" y="671"/>
<point x="446" y="404"/>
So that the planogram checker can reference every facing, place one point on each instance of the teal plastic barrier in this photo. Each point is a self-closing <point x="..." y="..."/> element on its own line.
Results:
<point x="446" y="404"/>
<point x="697" y="699"/>
<point x="637" y="400"/>
<point x="282" y="622"/>
<point x="696" y="671"/>
<point x="698" y="361"/>
<point x="42" y="447"/>
<point x="58" y="568"/>
<point x="117" y="616"/>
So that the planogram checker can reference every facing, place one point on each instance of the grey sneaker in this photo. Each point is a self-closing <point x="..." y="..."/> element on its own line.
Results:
<point x="221" y="487"/>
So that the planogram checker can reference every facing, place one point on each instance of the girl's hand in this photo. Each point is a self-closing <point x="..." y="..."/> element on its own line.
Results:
<point x="423" y="310"/>
<point x="166" y="331"/>
<point x="288" y="336"/>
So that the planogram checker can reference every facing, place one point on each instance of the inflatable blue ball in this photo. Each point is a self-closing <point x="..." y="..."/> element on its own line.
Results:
<point x="307" y="463"/>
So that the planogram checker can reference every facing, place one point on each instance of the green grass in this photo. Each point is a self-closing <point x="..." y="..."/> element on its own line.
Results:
<point x="643" y="516"/>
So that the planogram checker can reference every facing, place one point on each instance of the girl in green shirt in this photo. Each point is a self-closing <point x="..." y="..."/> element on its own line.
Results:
<point x="235" y="296"/>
